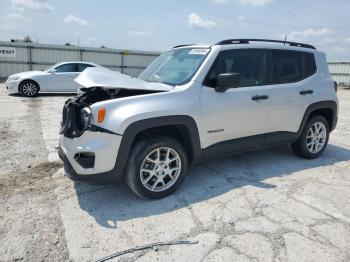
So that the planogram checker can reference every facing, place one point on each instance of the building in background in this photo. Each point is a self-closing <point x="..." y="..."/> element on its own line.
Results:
<point x="340" y="72"/>
<point x="25" y="56"/>
<point x="20" y="56"/>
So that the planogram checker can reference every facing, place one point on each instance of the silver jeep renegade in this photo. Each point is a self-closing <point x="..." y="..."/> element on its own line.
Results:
<point x="195" y="102"/>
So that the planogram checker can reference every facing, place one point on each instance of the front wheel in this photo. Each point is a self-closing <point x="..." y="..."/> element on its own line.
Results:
<point x="29" y="88"/>
<point x="314" y="138"/>
<point x="156" y="167"/>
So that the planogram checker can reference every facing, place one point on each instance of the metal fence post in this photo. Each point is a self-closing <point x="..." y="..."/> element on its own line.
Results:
<point x="30" y="61"/>
<point x="122" y="65"/>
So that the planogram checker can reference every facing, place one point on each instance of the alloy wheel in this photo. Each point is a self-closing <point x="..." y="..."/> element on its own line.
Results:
<point x="316" y="137"/>
<point x="160" y="169"/>
<point x="29" y="89"/>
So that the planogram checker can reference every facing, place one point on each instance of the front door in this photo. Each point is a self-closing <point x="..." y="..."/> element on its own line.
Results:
<point x="239" y="114"/>
<point x="62" y="80"/>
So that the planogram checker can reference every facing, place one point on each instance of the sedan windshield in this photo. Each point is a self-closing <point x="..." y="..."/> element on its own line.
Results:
<point x="175" y="67"/>
<point x="51" y="67"/>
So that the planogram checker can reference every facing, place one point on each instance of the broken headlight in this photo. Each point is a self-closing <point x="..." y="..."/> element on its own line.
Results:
<point x="85" y="117"/>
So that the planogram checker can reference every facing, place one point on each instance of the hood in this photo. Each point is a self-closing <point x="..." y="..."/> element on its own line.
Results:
<point x="29" y="74"/>
<point x="103" y="77"/>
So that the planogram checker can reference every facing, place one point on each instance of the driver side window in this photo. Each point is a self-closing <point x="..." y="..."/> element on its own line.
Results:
<point x="249" y="63"/>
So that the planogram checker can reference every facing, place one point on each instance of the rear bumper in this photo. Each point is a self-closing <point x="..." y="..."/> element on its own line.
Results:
<point x="92" y="155"/>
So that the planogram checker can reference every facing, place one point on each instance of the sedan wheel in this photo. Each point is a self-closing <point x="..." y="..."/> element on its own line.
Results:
<point x="29" y="89"/>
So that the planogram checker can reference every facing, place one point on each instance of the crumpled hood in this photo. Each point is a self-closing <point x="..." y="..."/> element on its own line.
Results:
<point x="103" y="77"/>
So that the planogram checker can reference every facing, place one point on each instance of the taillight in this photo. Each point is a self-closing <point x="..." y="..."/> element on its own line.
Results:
<point x="335" y="86"/>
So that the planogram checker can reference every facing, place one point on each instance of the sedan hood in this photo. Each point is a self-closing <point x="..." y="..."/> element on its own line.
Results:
<point x="102" y="77"/>
<point x="29" y="74"/>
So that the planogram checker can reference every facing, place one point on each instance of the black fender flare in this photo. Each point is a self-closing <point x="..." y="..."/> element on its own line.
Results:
<point x="133" y="129"/>
<point x="329" y="104"/>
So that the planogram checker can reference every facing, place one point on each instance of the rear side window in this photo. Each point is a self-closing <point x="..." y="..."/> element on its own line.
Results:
<point x="249" y="63"/>
<point x="310" y="64"/>
<point x="287" y="66"/>
<point x="82" y="67"/>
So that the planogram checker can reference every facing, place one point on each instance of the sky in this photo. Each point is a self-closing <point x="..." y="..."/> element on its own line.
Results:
<point x="157" y="25"/>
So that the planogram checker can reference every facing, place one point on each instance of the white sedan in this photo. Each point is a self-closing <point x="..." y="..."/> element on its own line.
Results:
<point x="58" y="78"/>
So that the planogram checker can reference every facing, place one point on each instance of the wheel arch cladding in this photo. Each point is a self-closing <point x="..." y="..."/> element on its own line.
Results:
<point x="327" y="109"/>
<point x="180" y="127"/>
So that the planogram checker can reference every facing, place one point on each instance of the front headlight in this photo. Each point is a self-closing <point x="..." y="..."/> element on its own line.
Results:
<point x="85" y="117"/>
<point x="13" y="77"/>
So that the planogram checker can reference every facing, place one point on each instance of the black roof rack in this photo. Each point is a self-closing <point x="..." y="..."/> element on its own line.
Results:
<point x="181" y="45"/>
<point x="246" y="41"/>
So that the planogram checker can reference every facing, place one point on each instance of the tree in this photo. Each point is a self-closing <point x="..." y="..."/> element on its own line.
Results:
<point x="27" y="39"/>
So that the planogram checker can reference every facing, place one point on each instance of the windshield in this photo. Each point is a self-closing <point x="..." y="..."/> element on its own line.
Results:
<point x="51" y="67"/>
<point x="175" y="67"/>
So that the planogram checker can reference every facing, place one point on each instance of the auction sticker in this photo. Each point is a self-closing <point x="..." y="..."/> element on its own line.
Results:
<point x="199" y="51"/>
<point x="7" y="51"/>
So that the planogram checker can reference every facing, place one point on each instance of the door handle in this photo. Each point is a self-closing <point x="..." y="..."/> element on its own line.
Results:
<point x="306" y="92"/>
<point x="260" y="97"/>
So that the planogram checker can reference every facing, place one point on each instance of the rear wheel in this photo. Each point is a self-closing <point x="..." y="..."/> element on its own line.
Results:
<point x="156" y="167"/>
<point x="29" y="88"/>
<point x="314" y="138"/>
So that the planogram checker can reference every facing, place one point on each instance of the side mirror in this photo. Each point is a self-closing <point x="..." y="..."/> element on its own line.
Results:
<point x="52" y="71"/>
<point x="227" y="80"/>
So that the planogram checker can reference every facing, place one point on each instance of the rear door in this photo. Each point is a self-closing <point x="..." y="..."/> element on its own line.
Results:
<point x="239" y="112"/>
<point x="291" y="89"/>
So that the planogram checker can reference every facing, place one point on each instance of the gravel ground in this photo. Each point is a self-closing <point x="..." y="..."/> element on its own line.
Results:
<point x="267" y="205"/>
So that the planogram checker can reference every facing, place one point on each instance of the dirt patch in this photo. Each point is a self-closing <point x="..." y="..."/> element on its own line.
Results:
<point x="4" y="134"/>
<point x="30" y="179"/>
<point x="30" y="223"/>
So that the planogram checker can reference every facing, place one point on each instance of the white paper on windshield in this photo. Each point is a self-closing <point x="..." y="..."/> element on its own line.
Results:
<point x="199" y="51"/>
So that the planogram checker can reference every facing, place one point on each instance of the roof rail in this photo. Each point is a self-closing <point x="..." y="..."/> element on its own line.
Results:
<point x="181" y="45"/>
<point x="247" y="41"/>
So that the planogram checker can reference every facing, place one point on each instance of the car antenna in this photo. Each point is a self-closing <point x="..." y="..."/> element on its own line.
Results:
<point x="285" y="39"/>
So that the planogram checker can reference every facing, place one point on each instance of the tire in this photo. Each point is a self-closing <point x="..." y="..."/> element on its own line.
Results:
<point x="156" y="169"/>
<point x="29" y="88"/>
<point x="309" y="145"/>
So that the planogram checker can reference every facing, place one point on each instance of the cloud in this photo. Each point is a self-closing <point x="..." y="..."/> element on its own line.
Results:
<point x="339" y="50"/>
<point x="91" y="39"/>
<point x="31" y="5"/>
<point x="71" y="19"/>
<point x="255" y="2"/>
<point x="309" y="33"/>
<point x="17" y="17"/>
<point x="347" y="40"/>
<point x="196" y="22"/>
<point x="140" y="33"/>
<point x="241" y="18"/>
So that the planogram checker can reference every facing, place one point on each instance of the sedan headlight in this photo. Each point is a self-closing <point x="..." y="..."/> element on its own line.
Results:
<point x="14" y="77"/>
<point x="85" y="117"/>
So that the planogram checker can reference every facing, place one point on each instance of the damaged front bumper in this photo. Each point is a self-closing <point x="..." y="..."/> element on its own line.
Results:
<point x="93" y="153"/>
